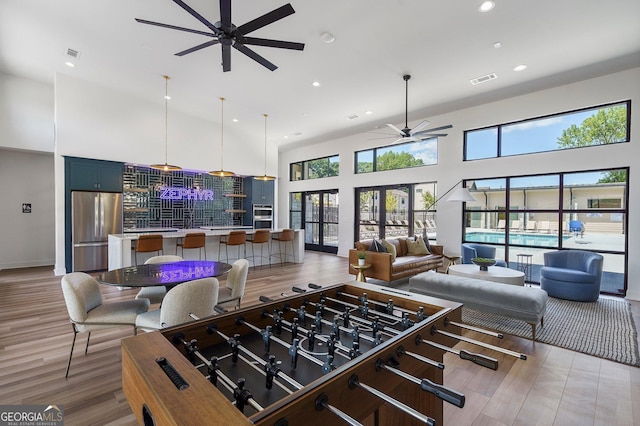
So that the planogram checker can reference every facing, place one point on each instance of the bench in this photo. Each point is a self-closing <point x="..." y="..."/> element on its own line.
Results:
<point x="526" y="304"/>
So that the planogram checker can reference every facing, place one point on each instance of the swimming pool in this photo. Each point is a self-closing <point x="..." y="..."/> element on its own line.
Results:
<point x="540" y="240"/>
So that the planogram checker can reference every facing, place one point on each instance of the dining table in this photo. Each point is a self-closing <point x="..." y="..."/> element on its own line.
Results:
<point x="165" y="274"/>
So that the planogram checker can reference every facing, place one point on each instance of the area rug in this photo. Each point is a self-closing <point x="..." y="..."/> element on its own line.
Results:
<point x="603" y="329"/>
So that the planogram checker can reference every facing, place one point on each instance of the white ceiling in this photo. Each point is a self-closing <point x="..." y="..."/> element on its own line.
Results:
<point x="442" y="44"/>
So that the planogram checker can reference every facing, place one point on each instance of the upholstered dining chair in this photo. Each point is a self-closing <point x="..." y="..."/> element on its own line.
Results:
<point x="87" y="311"/>
<point x="197" y="297"/>
<point x="233" y="290"/>
<point x="156" y="293"/>
<point x="148" y="243"/>
<point x="286" y="236"/>
<point x="193" y="240"/>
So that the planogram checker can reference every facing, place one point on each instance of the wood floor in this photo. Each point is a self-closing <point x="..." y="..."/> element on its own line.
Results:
<point x="552" y="387"/>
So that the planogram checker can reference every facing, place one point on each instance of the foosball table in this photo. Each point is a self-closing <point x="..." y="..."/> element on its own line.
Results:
<point x="353" y="352"/>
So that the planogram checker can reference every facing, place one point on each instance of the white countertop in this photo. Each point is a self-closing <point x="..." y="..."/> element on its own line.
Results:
<point x="179" y="233"/>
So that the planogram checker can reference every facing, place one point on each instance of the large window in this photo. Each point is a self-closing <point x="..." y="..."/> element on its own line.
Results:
<point x="528" y="215"/>
<point x="314" y="169"/>
<point x="600" y="125"/>
<point x="400" y="156"/>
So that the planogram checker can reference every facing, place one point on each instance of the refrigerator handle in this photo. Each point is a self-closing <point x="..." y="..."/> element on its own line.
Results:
<point x="96" y="216"/>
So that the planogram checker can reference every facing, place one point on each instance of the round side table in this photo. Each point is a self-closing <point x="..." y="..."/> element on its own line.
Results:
<point x="361" y="268"/>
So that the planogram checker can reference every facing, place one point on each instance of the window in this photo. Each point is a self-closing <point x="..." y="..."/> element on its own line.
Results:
<point x="400" y="156"/>
<point x="314" y="169"/>
<point x="601" y="125"/>
<point x="528" y="215"/>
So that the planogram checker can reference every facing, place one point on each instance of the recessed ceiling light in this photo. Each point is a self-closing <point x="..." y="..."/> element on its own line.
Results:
<point x="167" y="97"/>
<point x="327" y="37"/>
<point x="235" y="120"/>
<point x="486" y="6"/>
<point x="316" y="84"/>
<point x="285" y="137"/>
<point x="70" y="64"/>
<point x="497" y="45"/>
<point x="368" y="112"/>
<point x="520" y="67"/>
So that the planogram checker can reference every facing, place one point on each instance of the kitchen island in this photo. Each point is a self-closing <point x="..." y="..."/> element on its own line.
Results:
<point x="121" y="255"/>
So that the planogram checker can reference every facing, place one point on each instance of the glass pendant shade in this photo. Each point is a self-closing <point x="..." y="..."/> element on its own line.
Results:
<point x="166" y="167"/>
<point x="222" y="172"/>
<point x="265" y="177"/>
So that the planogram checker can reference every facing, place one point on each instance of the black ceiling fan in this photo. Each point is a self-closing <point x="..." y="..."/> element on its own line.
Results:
<point x="419" y="132"/>
<point x="225" y="33"/>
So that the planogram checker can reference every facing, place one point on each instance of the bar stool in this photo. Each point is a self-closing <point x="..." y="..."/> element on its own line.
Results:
<point x="148" y="243"/>
<point x="235" y="238"/>
<point x="261" y="237"/>
<point x="286" y="235"/>
<point x="193" y="240"/>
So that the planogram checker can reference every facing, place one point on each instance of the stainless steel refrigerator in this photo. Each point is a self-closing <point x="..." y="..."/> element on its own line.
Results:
<point x="94" y="215"/>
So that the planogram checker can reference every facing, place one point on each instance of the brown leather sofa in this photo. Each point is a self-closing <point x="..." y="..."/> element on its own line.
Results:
<point x="405" y="265"/>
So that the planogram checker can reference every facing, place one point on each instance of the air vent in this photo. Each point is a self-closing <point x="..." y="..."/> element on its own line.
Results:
<point x="351" y="117"/>
<point x="73" y="53"/>
<point x="484" y="78"/>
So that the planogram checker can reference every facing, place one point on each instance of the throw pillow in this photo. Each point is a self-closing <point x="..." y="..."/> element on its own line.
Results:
<point x="377" y="246"/>
<point x="416" y="248"/>
<point x="390" y="249"/>
<point x="424" y="243"/>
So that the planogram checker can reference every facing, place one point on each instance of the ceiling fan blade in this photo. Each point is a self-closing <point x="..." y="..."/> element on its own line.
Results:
<point x="432" y="135"/>
<point x="273" y="43"/>
<point x="435" y="129"/>
<point x="173" y="27"/>
<point x="406" y="139"/>
<point x="226" y="58"/>
<point x="420" y="126"/>
<point x="396" y="129"/>
<point x="253" y="55"/>
<point x="198" y="47"/>
<point x="197" y="16"/>
<point x="266" y="19"/>
<point x="225" y="14"/>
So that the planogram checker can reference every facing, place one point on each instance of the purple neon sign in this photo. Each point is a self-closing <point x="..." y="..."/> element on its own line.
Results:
<point x="175" y="193"/>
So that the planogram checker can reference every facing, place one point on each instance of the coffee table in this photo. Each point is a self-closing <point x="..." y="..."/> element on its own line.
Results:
<point x="496" y="274"/>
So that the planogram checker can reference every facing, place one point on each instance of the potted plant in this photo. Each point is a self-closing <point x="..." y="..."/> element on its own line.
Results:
<point x="362" y="255"/>
<point x="483" y="262"/>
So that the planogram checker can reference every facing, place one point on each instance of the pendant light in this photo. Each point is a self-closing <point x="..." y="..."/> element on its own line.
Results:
<point x="222" y="172"/>
<point x="166" y="167"/>
<point x="265" y="177"/>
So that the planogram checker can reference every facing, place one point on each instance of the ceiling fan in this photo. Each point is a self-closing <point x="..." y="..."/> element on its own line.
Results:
<point x="419" y="132"/>
<point x="225" y="33"/>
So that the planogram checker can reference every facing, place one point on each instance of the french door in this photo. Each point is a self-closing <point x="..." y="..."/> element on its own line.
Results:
<point x="320" y="220"/>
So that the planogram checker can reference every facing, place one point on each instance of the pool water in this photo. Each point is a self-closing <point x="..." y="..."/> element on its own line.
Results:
<point x="540" y="240"/>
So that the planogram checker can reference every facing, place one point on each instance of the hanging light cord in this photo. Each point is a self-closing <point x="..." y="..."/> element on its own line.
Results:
<point x="166" y="119"/>
<point x="265" y="143"/>
<point x="222" y="135"/>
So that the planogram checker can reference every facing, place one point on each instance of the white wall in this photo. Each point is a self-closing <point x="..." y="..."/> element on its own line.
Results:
<point x="451" y="168"/>
<point x="27" y="238"/>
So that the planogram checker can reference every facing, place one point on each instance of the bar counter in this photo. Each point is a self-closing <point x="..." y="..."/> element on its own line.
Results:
<point x="121" y="255"/>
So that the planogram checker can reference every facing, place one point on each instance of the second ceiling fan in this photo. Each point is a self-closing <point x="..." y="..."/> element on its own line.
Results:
<point x="419" y="132"/>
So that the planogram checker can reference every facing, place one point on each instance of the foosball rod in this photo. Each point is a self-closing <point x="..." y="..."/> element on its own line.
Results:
<point x="354" y="382"/>
<point x="402" y="351"/>
<point x="359" y="307"/>
<point x="322" y="402"/>
<point x="376" y="302"/>
<point x="479" y="359"/>
<point x="278" y="340"/>
<point x="435" y="329"/>
<point x="451" y="396"/>
<point x="447" y="321"/>
<point x="226" y="381"/>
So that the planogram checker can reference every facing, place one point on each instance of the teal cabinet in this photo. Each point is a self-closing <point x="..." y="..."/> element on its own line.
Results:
<point x="83" y="174"/>
<point x="258" y="192"/>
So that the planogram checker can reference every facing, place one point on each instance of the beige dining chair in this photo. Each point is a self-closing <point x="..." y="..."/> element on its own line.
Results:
<point x="197" y="297"/>
<point x="233" y="290"/>
<point x="87" y="311"/>
<point x="156" y="293"/>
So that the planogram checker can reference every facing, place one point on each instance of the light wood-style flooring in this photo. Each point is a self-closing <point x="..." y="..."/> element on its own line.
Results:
<point x="552" y="387"/>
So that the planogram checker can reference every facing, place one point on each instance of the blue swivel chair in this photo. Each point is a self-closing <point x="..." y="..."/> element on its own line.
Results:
<point x="572" y="275"/>
<point x="576" y="227"/>
<point x="471" y="250"/>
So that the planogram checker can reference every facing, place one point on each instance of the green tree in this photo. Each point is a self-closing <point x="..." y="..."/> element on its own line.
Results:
<point x="427" y="199"/>
<point x="614" y="176"/>
<point x="397" y="160"/>
<point x="608" y="125"/>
